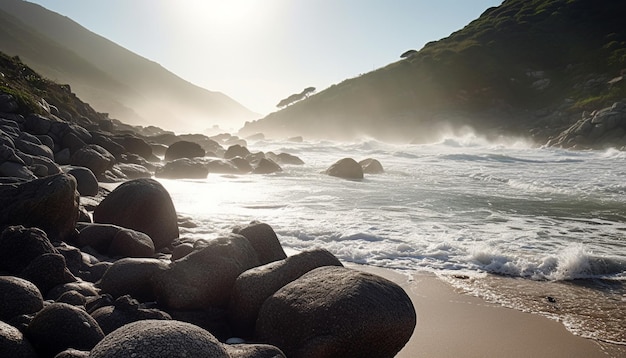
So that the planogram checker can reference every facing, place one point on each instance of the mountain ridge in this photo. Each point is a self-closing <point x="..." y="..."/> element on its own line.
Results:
<point x="144" y="91"/>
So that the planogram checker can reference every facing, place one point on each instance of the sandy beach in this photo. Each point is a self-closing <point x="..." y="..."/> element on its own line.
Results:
<point x="452" y="324"/>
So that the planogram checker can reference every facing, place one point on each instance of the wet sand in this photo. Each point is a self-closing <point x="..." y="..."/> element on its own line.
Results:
<point x="452" y="324"/>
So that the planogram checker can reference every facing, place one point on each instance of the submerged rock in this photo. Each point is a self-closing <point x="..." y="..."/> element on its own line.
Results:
<point x="371" y="166"/>
<point x="346" y="168"/>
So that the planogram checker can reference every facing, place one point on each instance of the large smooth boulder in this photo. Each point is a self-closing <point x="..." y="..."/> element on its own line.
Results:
<point x="142" y="205"/>
<point x="135" y="145"/>
<point x="184" y="149"/>
<point x="132" y="276"/>
<point x="94" y="157"/>
<point x="205" y="277"/>
<point x="337" y="312"/>
<point x="346" y="168"/>
<point x="183" y="168"/>
<point x="19" y="246"/>
<point x="264" y="240"/>
<point x="49" y="203"/>
<point x="13" y="344"/>
<point x="254" y="286"/>
<point x="60" y="326"/>
<point x="18" y="297"/>
<point x="159" y="339"/>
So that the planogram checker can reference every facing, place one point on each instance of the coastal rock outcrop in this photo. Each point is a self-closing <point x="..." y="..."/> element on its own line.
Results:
<point x="49" y="203"/>
<point x="316" y="315"/>
<point x="143" y="205"/>
<point x="157" y="338"/>
<point x="598" y="129"/>
<point x="125" y="310"/>
<point x="264" y="241"/>
<point x="346" y="168"/>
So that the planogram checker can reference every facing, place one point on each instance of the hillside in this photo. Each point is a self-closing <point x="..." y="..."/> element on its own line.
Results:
<point x="109" y="77"/>
<point x="527" y="67"/>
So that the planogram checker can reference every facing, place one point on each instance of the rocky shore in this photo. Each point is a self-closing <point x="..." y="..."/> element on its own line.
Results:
<point x="86" y="272"/>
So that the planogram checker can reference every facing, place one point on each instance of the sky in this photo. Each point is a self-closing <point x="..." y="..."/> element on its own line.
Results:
<point x="261" y="51"/>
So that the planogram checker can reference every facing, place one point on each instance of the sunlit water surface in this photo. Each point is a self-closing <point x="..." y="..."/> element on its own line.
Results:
<point x="550" y="223"/>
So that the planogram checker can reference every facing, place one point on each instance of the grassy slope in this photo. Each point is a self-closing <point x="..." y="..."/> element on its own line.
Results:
<point x="478" y="76"/>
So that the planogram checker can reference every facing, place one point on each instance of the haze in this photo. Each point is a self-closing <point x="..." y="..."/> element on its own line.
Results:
<point x="261" y="51"/>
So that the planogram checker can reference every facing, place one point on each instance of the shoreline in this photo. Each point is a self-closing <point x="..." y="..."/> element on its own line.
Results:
<point x="453" y="324"/>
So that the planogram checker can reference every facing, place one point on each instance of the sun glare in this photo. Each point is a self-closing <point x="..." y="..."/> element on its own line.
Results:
<point x="215" y="16"/>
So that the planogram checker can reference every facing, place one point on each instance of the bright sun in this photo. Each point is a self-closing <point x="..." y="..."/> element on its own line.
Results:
<point x="215" y="15"/>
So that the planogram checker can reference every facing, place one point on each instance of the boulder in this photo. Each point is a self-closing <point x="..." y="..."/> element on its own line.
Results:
<point x="60" y="326"/>
<point x="254" y="286"/>
<point x="19" y="297"/>
<point x="135" y="145"/>
<point x="184" y="149"/>
<point x="264" y="241"/>
<point x="205" y="277"/>
<point x="19" y="246"/>
<point x="285" y="158"/>
<point x="346" y="168"/>
<point x="107" y="143"/>
<point x="87" y="184"/>
<point x="73" y="298"/>
<point x="242" y="165"/>
<point x="33" y="147"/>
<point x="49" y="203"/>
<point x="134" y="171"/>
<point x="13" y="344"/>
<point x="371" y="166"/>
<point x="48" y="271"/>
<point x="132" y="276"/>
<point x="253" y="351"/>
<point x="125" y="310"/>
<point x="131" y="243"/>
<point x="159" y="339"/>
<point x="72" y="353"/>
<point x="183" y="168"/>
<point x="236" y="150"/>
<point x="221" y="166"/>
<point x="16" y="170"/>
<point x="337" y="312"/>
<point x="266" y="166"/>
<point x="142" y="205"/>
<point x="87" y="289"/>
<point x="94" y="157"/>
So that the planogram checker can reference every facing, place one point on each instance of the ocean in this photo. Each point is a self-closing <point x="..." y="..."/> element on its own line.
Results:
<point x="537" y="229"/>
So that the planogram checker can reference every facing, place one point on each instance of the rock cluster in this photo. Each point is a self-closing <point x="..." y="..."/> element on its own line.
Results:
<point x="126" y="286"/>
<point x="598" y="129"/>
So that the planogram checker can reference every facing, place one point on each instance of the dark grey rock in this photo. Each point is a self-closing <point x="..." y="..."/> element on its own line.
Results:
<point x="346" y="168"/>
<point x="371" y="166"/>
<point x="183" y="168"/>
<point x="94" y="157"/>
<point x="132" y="276"/>
<point x="184" y="149"/>
<point x="337" y="312"/>
<point x="19" y="297"/>
<point x="19" y="246"/>
<point x="264" y="241"/>
<point x="13" y="344"/>
<point x="60" y="326"/>
<point x="159" y="339"/>
<point x="143" y="205"/>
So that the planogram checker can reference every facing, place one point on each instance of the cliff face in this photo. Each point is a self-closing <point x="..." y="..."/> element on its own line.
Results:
<point x="109" y="77"/>
<point x="527" y="67"/>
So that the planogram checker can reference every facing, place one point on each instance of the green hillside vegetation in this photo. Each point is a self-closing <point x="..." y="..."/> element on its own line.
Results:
<point x="111" y="78"/>
<point x="502" y="73"/>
